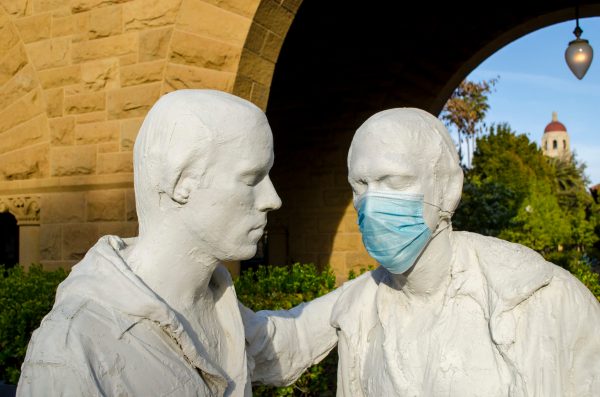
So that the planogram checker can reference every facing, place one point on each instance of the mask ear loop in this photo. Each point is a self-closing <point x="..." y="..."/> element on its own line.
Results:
<point x="444" y="215"/>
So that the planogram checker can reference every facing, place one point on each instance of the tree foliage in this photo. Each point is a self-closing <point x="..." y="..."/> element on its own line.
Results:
<point x="466" y="110"/>
<point x="515" y="192"/>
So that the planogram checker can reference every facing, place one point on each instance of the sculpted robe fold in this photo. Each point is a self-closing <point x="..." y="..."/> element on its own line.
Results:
<point x="511" y="324"/>
<point x="114" y="336"/>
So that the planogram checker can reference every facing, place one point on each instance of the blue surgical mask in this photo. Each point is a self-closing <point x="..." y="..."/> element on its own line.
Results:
<point x="393" y="229"/>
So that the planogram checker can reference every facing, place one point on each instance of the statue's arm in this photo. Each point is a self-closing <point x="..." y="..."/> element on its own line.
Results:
<point x="284" y="343"/>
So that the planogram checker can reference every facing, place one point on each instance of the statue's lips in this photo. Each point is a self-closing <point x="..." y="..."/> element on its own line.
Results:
<point x="260" y="227"/>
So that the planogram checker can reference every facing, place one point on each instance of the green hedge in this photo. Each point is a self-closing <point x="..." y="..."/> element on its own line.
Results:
<point x="279" y="287"/>
<point x="25" y="297"/>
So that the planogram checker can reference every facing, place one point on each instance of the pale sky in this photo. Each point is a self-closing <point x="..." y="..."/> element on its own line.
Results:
<point x="535" y="81"/>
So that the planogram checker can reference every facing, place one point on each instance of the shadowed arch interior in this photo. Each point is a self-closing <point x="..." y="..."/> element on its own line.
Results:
<point x="342" y="62"/>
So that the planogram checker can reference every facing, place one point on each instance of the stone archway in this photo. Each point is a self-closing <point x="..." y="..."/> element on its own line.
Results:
<point x="340" y="63"/>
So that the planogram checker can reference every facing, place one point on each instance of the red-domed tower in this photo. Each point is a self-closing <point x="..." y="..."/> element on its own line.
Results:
<point x="555" y="141"/>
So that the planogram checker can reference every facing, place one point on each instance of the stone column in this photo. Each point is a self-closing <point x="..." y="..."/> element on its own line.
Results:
<point x="26" y="210"/>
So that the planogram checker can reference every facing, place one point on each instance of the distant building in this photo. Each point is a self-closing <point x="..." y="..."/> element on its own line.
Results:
<point x="555" y="141"/>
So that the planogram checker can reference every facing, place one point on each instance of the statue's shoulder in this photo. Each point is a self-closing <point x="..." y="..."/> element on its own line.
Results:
<point x="358" y="297"/>
<point x="515" y="273"/>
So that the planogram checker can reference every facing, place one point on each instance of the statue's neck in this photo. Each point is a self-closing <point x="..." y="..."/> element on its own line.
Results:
<point x="430" y="276"/>
<point x="178" y="273"/>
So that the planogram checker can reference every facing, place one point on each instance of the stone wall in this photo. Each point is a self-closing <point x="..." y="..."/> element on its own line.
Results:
<point x="76" y="80"/>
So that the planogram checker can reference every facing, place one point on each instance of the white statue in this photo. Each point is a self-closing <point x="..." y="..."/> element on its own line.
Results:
<point x="448" y="313"/>
<point x="157" y="315"/>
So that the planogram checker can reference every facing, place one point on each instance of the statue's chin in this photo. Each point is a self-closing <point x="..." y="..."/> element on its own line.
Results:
<point x="240" y="254"/>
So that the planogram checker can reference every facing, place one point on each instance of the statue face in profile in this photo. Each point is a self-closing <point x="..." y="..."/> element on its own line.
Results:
<point x="227" y="209"/>
<point x="202" y="160"/>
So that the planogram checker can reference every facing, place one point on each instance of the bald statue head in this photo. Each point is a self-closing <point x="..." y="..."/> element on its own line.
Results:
<point x="407" y="150"/>
<point x="201" y="164"/>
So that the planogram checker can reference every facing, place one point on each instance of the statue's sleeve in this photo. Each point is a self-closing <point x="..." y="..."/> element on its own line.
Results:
<point x="283" y="344"/>
<point x="51" y="379"/>
<point x="585" y="344"/>
<point x="560" y="350"/>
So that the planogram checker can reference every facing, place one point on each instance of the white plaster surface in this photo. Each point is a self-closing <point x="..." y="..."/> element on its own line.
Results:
<point x="157" y="315"/>
<point x="475" y="315"/>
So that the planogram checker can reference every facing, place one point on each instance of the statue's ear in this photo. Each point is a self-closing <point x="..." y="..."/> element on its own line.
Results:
<point x="453" y="190"/>
<point x="182" y="189"/>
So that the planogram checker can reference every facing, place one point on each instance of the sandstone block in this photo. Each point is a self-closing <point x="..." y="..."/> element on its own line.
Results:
<point x="9" y="37"/>
<point x="129" y="131"/>
<point x="84" y="103"/>
<point x="54" y="102"/>
<point x="13" y="61"/>
<point x="130" y="211"/>
<point x="143" y="14"/>
<point x="28" y="163"/>
<point x="256" y="38"/>
<point x="76" y="26"/>
<point x="127" y="60"/>
<point x="108" y="147"/>
<point x="359" y="259"/>
<point x="199" y="51"/>
<point x="272" y="47"/>
<point x="86" y="5"/>
<point x="23" y="109"/>
<point x="115" y="163"/>
<point x="180" y="76"/>
<point x="26" y="134"/>
<point x="246" y="8"/>
<point x="154" y="44"/>
<point x="78" y="238"/>
<point x="17" y="8"/>
<point x="66" y="207"/>
<point x="256" y="66"/>
<point x="106" y="21"/>
<point x="92" y="117"/>
<point x="75" y="90"/>
<point x="346" y="242"/>
<point x="243" y="87"/>
<point x="50" y="53"/>
<point x="63" y="26"/>
<point x="132" y="101"/>
<point x="121" y="229"/>
<point x="142" y="73"/>
<point x="274" y="17"/>
<point x="21" y="83"/>
<point x="336" y="260"/>
<point x="104" y="131"/>
<point x="34" y="28"/>
<point x="60" y="77"/>
<point x="59" y="6"/>
<point x="291" y="5"/>
<point x="73" y="160"/>
<point x="260" y="95"/>
<point x="199" y="17"/>
<point x="105" y="205"/>
<point x="55" y="265"/>
<point x="50" y="242"/>
<point x="62" y="130"/>
<point x="124" y="44"/>
<point x="100" y="75"/>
